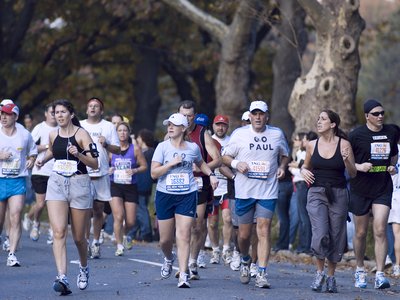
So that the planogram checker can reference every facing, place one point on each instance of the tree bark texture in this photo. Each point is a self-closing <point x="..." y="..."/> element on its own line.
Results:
<point x="332" y="80"/>
<point x="287" y="62"/>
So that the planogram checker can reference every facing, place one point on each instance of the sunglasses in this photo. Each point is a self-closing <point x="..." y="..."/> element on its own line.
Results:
<point x="378" y="113"/>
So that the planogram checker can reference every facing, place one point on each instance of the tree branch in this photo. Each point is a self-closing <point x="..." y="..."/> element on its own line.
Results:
<point x="318" y="14"/>
<point x="209" y="23"/>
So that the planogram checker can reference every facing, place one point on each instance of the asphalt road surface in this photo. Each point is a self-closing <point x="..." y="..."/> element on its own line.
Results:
<point x="136" y="275"/>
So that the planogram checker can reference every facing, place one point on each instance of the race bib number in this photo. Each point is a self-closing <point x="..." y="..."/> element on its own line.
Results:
<point x="380" y="150"/>
<point x="259" y="169"/>
<point x="65" y="167"/>
<point x="177" y="182"/>
<point x="199" y="181"/>
<point x="122" y="177"/>
<point x="11" y="167"/>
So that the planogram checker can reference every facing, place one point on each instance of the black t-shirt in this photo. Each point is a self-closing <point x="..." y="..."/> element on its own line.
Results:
<point x="377" y="148"/>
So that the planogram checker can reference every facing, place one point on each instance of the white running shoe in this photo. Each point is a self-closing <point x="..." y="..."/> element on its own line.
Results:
<point x="26" y="222"/>
<point x="83" y="278"/>
<point x="6" y="244"/>
<point x="12" y="260"/>
<point x="183" y="281"/>
<point x="201" y="259"/>
<point x="50" y="237"/>
<point x="215" y="257"/>
<point x="35" y="233"/>
<point x="235" y="263"/>
<point x="95" y="250"/>
<point x="253" y="270"/>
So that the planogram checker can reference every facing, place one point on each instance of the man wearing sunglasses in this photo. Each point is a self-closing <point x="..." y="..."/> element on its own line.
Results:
<point x="375" y="151"/>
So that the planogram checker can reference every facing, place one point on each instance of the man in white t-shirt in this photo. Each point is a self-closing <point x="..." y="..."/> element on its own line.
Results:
<point x="17" y="155"/>
<point x="221" y="201"/>
<point x="40" y="176"/>
<point x="254" y="151"/>
<point x="104" y="135"/>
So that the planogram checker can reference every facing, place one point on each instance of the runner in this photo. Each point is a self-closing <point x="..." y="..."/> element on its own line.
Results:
<point x="211" y="155"/>
<point x="254" y="152"/>
<point x="17" y="155"/>
<point x="68" y="191"/>
<point x="220" y="128"/>
<point x="327" y="200"/>
<point x="40" y="176"/>
<point x="124" y="190"/>
<point x="105" y="137"/>
<point x="376" y="153"/>
<point x="176" y="195"/>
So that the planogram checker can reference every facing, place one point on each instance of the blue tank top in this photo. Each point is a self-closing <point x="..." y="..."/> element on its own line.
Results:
<point x="60" y="146"/>
<point x="122" y="162"/>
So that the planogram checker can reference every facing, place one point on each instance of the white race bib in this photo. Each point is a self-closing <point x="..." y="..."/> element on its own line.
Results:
<point x="380" y="150"/>
<point x="122" y="177"/>
<point x="259" y="169"/>
<point x="11" y="167"/>
<point x="177" y="182"/>
<point x="65" y="167"/>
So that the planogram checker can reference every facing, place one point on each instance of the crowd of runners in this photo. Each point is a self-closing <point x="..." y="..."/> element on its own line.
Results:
<point x="97" y="177"/>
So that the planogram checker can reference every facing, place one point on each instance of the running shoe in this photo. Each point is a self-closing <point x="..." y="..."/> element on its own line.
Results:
<point x="83" y="278"/>
<point x="318" y="282"/>
<point x="215" y="257"/>
<point x="201" y="259"/>
<point x="61" y="285"/>
<point x="227" y="257"/>
<point x="127" y="242"/>
<point x="166" y="268"/>
<point x="381" y="282"/>
<point x="35" y="233"/>
<point x="331" y="285"/>
<point x="253" y="270"/>
<point x="6" y="244"/>
<point x="95" y="250"/>
<point x="396" y="271"/>
<point x="26" y="222"/>
<point x="361" y="279"/>
<point x="194" y="273"/>
<point x="183" y="281"/>
<point x="262" y="280"/>
<point x="50" y="237"/>
<point x="12" y="260"/>
<point x="101" y="238"/>
<point x="119" y="251"/>
<point x="245" y="272"/>
<point x="235" y="263"/>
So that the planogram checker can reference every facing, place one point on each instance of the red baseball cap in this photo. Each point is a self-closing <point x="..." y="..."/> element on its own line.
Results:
<point x="221" y="119"/>
<point x="10" y="109"/>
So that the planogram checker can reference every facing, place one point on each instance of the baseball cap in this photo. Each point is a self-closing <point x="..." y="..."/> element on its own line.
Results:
<point x="202" y="119"/>
<point x="10" y="108"/>
<point x="221" y="119"/>
<point x="177" y="119"/>
<point x="260" y="105"/>
<point x="98" y="100"/>
<point x="370" y="105"/>
<point x="245" y="116"/>
<point x="6" y="101"/>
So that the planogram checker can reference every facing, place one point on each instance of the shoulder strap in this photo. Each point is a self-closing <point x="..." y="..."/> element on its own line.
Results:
<point x="203" y="143"/>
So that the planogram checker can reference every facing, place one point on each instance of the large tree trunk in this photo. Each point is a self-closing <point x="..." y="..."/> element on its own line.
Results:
<point x="287" y="62"/>
<point x="332" y="80"/>
<point x="146" y="90"/>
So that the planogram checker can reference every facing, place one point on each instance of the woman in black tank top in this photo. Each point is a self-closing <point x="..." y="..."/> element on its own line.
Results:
<point x="68" y="191"/>
<point x="327" y="158"/>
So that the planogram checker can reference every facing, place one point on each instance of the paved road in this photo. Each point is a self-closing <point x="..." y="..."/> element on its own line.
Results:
<point x="136" y="276"/>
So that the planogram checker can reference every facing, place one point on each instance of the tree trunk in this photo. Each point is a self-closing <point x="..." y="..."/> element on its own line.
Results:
<point x="146" y="90"/>
<point x="287" y="62"/>
<point x="332" y="80"/>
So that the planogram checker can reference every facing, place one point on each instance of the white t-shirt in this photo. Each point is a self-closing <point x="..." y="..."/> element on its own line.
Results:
<point x="222" y="180"/>
<point x="261" y="151"/>
<point x="41" y="133"/>
<point x="106" y="129"/>
<point x="21" y="145"/>
<point x="179" y="179"/>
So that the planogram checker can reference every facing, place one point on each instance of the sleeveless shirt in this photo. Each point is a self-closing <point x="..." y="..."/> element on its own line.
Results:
<point x="60" y="151"/>
<point x="121" y="162"/>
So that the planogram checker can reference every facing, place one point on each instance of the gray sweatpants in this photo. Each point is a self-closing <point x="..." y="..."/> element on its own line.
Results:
<point x="328" y="222"/>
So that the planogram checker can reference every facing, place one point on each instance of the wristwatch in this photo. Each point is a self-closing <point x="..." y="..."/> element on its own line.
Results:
<point x="211" y="174"/>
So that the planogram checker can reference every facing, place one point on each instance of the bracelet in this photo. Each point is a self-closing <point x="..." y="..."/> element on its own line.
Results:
<point x="211" y="174"/>
<point x="234" y="163"/>
<point x="233" y="177"/>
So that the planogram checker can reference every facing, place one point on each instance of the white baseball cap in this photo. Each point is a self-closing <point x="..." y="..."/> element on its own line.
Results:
<point x="6" y="101"/>
<point x="177" y="119"/>
<point x="260" y="105"/>
<point x="245" y="116"/>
